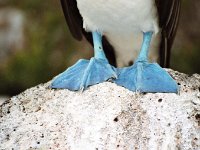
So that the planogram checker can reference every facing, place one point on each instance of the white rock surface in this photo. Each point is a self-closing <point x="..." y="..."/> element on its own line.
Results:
<point x="104" y="117"/>
<point x="3" y="99"/>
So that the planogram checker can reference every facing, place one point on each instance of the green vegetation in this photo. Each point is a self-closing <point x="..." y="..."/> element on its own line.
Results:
<point x="45" y="50"/>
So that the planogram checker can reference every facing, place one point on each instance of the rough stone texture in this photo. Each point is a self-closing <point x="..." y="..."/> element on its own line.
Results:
<point x="104" y="117"/>
<point x="3" y="99"/>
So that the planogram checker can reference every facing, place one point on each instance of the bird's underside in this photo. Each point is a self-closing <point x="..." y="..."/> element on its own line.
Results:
<point x="122" y="26"/>
<point x="164" y="17"/>
<point x="117" y="28"/>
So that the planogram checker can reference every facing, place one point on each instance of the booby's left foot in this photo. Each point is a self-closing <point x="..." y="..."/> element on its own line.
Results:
<point x="144" y="76"/>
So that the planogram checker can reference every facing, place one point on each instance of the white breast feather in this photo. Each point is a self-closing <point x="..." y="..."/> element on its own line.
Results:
<point x="122" y="21"/>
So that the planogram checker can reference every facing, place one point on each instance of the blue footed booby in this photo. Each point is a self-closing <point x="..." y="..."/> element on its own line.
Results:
<point x="113" y="27"/>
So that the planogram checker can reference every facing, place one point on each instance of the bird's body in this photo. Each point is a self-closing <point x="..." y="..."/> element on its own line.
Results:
<point x="116" y="27"/>
<point x="118" y="16"/>
<point x="121" y="22"/>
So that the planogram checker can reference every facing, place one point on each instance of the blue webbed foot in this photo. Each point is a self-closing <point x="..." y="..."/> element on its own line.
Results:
<point x="85" y="73"/>
<point x="146" y="77"/>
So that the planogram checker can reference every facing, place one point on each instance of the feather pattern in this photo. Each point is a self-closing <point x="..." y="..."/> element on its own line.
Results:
<point x="168" y="13"/>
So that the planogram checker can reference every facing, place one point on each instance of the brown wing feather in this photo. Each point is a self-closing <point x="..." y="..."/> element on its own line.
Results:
<point x="73" y="18"/>
<point x="169" y="12"/>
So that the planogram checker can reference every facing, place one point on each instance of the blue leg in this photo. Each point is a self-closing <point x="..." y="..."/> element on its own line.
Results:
<point x="143" y="76"/>
<point x="87" y="72"/>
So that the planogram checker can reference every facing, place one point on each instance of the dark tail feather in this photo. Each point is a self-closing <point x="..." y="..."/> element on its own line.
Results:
<point x="164" y="52"/>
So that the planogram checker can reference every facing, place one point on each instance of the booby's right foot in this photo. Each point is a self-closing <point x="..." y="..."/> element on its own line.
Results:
<point x="84" y="74"/>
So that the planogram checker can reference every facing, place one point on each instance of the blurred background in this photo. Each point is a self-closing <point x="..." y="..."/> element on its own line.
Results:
<point x="35" y="44"/>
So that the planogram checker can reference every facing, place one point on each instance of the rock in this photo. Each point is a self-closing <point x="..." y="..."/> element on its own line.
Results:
<point x="3" y="99"/>
<point x="104" y="117"/>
